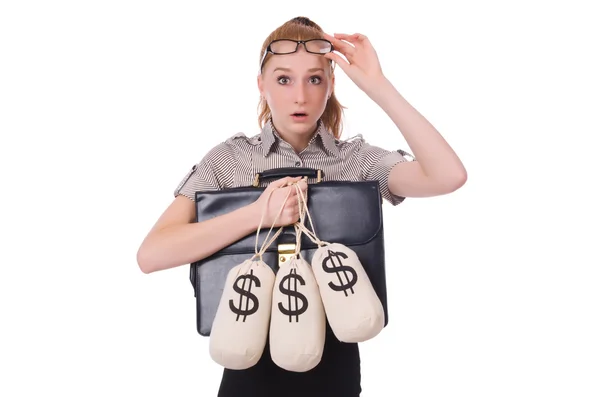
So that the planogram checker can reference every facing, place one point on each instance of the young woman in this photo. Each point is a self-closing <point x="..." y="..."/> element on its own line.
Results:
<point x="300" y="119"/>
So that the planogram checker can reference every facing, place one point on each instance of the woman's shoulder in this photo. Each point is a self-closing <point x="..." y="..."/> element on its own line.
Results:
<point x="360" y="146"/>
<point x="357" y="139"/>
<point x="353" y="143"/>
<point x="232" y="146"/>
<point x="243" y="139"/>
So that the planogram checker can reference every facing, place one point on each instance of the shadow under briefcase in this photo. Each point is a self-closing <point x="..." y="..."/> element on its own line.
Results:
<point x="345" y="212"/>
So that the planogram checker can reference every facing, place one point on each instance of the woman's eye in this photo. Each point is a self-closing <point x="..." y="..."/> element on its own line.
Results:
<point x="315" y="80"/>
<point x="283" y="80"/>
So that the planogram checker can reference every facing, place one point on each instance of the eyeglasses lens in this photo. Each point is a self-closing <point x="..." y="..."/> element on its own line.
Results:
<point x="289" y="46"/>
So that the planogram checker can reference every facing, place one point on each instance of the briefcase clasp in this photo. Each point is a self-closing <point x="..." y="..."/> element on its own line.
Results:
<point x="286" y="252"/>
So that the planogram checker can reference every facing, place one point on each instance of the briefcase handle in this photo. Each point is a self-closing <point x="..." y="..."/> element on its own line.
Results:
<point x="282" y="172"/>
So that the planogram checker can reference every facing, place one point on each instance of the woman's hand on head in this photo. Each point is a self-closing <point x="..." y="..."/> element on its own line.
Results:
<point x="358" y="59"/>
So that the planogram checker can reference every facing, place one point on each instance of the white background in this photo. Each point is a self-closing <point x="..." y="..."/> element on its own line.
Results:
<point x="104" y="106"/>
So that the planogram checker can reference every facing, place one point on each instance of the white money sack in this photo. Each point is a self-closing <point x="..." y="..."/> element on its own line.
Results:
<point x="240" y="328"/>
<point x="297" y="331"/>
<point x="353" y="309"/>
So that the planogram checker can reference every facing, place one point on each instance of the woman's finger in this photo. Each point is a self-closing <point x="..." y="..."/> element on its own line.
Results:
<point x="343" y="47"/>
<point x="352" y="38"/>
<point x="338" y="60"/>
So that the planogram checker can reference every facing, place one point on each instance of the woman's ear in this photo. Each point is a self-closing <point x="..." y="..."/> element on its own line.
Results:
<point x="259" y="83"/>
<point x="331" y="86"/>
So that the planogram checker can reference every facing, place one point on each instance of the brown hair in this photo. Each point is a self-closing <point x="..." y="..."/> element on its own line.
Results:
<point x="302" y="28"/>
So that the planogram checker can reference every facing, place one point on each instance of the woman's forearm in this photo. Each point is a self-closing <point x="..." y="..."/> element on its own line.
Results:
<point x="182" y="244"/>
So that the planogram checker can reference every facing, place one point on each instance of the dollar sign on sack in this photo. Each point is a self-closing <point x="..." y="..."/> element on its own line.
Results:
<point x="250" y="301"/>
<point x="299" y="304"/>
<point x="346" y="275"/>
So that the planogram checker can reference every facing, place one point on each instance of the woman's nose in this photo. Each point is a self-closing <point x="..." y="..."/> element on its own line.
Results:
<point x="300" y="93"/>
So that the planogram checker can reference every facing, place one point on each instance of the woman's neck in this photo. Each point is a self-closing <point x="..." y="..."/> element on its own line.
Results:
<point x="297" y="141"/>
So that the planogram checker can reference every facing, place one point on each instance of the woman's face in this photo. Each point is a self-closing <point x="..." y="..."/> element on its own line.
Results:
<point x="296" y="87"/>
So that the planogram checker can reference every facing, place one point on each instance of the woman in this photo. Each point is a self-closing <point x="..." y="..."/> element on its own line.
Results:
<point x="300" y="119"/>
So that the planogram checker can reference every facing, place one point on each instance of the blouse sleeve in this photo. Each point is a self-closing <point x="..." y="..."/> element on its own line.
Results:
<point x="377" y="163"/>
<point x="214" y="172"/>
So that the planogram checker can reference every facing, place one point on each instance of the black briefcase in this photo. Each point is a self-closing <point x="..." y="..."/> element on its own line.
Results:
<point x="344" y="212"/>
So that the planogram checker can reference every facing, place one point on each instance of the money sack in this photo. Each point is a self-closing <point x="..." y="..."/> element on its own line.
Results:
<point x="353" y="309"/>
<point x="240" y="328"/>
<point x="297" y="330"/>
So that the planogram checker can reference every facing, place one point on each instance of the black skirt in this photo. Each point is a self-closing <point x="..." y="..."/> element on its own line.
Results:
<point x="337" y="375"/>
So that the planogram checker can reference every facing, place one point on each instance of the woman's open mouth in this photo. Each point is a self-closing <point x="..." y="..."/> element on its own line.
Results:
<point x="299" y="116"/>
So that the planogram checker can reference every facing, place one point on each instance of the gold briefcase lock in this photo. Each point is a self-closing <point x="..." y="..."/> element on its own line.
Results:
<point x="286" y="252"/>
